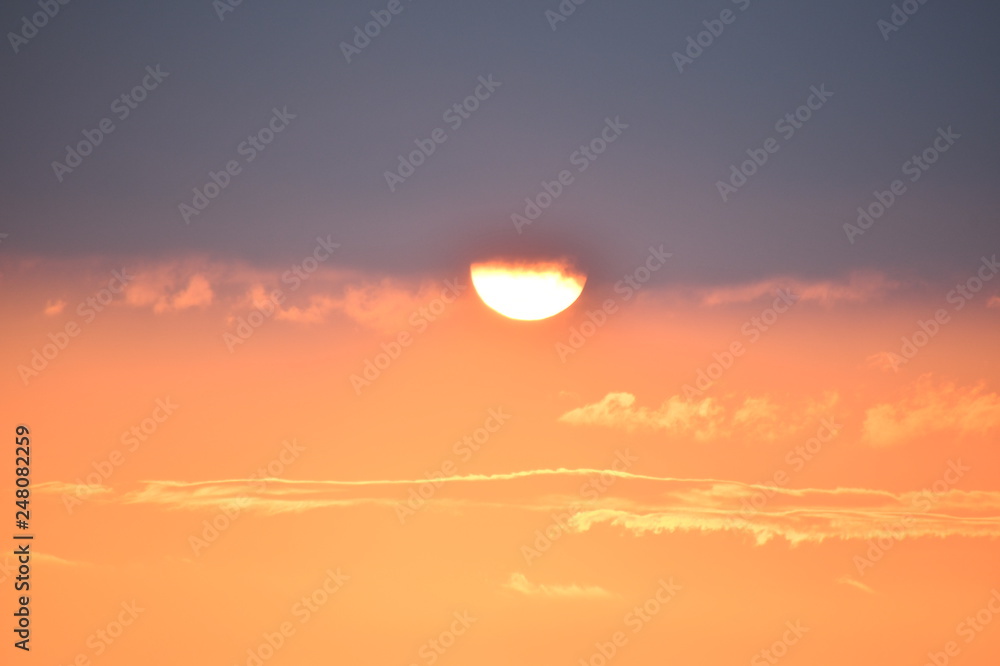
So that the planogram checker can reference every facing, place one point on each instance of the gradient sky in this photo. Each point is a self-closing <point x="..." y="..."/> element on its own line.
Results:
<point x="787" y="432"/>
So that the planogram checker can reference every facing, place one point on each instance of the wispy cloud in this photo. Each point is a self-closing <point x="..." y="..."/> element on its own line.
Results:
<point x="858" y="287"/>
<point x="519" y="583"/>
<point x="855" y="583"/>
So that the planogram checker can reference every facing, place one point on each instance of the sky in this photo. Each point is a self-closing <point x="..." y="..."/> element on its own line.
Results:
<point x="272" y="421"/>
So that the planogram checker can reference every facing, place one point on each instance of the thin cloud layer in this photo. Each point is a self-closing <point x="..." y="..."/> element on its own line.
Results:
<point x="636" y="504"/>
<point x="858" y="287"/>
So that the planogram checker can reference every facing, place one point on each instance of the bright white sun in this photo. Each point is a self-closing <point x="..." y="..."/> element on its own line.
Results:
<point x="527" y="291"/>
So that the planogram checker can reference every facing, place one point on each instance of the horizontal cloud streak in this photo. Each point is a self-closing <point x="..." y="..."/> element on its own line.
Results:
<point x="638" y="504"/>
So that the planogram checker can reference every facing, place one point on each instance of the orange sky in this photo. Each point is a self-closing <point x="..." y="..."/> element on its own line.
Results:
<point x="487" y="497"/>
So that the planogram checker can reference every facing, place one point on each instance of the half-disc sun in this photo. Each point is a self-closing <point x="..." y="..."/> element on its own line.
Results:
<point x="527" y="291"/>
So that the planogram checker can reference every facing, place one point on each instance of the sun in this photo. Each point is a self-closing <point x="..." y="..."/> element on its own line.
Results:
<point x="527" y="291"/>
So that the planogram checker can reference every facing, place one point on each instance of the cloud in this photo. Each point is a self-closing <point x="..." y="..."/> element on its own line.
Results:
<point x="636" y="504"/>
<point x="994" y="302"/>
<point x="809" y="516"/>
<point x="317" y="310"/>
<point x="53" y="308"/>
<point x="853" y="582"/>
<point x="928" y="409"/>
<point x="165" y="289"/>
<point x="703" y="418"/>
<point x="384" y="306"/>
<point x="72" y="489"/>
<point x="859" y="287"/>
<point x="519" y="583"/>
<point x="883" y="361"/>
<point x="388" y="307"/>
<point x="618" y="410"/>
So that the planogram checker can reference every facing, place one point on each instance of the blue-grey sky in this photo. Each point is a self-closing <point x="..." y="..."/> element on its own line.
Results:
<point x="656" y="183"/>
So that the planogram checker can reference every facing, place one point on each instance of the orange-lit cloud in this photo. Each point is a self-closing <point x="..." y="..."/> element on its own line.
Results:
<point x="945" y="409"/>
<point x="168" y="291"/>
<point x="53" y="308"/>
<point x="519" y="583"/>
<point x="855" y="583"/>
<point x="704" y="418"/>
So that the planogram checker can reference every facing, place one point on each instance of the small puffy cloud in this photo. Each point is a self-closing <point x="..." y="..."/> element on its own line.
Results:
<point x="317" y="309"/>
<point x="388" y="307"/>
<point x="618" y="410"/>
<point x="52" y="308"/>
<point x="519" y="583"/>
<point x="198" y="293"/>
<point x="929" y="409"/>
<point x="703" y="418"/>
<point x="166" y="291"/>
<point x="994" y="302"/>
